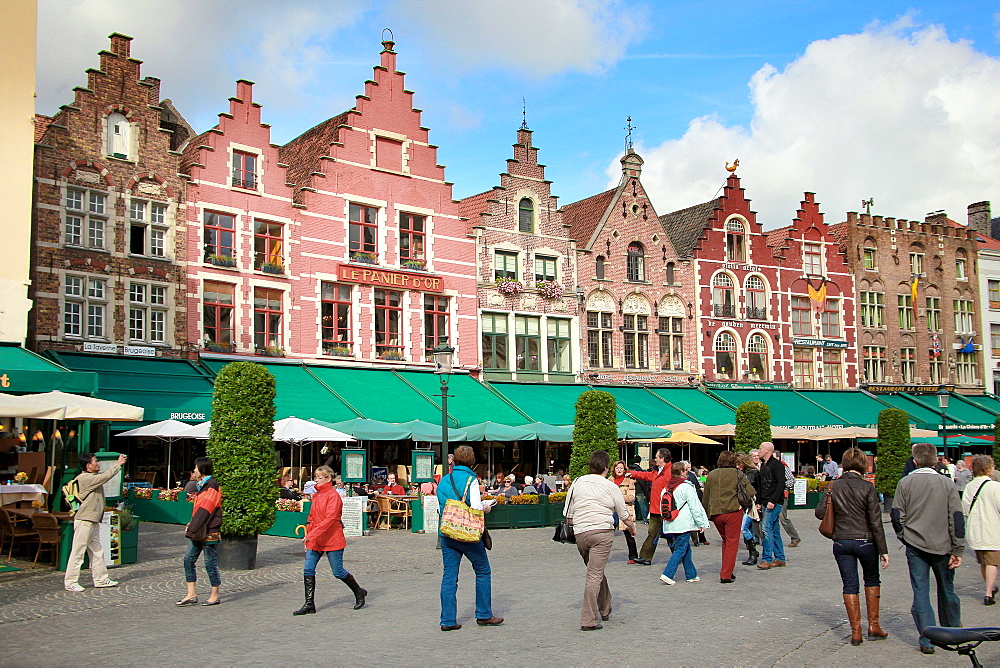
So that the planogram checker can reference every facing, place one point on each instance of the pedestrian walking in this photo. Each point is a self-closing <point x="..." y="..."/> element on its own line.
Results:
<point x="771" y="496"/>
<point x="722" y="504"/>
<point x="858" y="537"/>
<point x="87" y="523"/>
<point x="325" y="534"/>
<point x="690" y="517"/>
<point x="697" y="537"/>
<point x="203" y="532"/>
<point x="928" y="520"/>
<point x="657" y="479"/>
<point x="963" y="475"/>
<point x="750" y="464"/>
<point x="627" y="487"/>
<point x="981" y="505"/>
<point x="786" y="524"/>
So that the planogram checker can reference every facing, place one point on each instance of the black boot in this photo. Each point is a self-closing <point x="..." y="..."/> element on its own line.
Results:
<point x="752" y="549"/>
<point x="359" y="593"/>
<point x="309" y="607"/>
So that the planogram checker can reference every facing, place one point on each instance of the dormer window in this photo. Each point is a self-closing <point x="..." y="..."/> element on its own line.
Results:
<point x="636" y="270"/>
<point x="735" y="241"/>
<point x="119" y="136"/>
<point x="526" y="215"/>
<point x="244" y="170"/>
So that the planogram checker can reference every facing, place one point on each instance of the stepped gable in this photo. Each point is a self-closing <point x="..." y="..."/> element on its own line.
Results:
<point x="42" y="123"/>
<point x="685" y="228"/>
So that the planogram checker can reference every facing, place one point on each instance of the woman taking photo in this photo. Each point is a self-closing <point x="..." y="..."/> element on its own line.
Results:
<point x="325" y="533"/>
<point x="627" y="486"/>
<point x="203" y="532"/>
<point x="721" y="502"/>
<point x="590" y="507"/>
<point x="857" y="537"/>
<point x="691" y="517"/>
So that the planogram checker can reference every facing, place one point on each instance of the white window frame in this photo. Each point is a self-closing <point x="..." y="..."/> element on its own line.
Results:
<point x="88" y="208"/>
<point x="153" y="220"/>
<point x="148" y="303"/>
<point x="88" y="298"/>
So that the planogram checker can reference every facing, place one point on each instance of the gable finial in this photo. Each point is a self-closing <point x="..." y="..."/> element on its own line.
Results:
<point x="524" y="114"/>
<point x="867" y="203"/>
<point x="732" y="168"/>
<point x="628" y="136"/>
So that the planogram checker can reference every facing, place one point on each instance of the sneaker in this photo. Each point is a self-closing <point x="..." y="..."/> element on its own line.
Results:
<point x="795" y="542"/>
<point x="694" y="579"/>
<point x="109" y="583"/>
<point x="667" y="580"/>
<point x="74" y="587"/>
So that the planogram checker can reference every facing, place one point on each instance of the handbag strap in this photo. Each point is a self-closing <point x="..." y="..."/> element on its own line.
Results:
<point x="451" y="478"/>
<point x="973" y="504"/>
<point x="569" y="503"/>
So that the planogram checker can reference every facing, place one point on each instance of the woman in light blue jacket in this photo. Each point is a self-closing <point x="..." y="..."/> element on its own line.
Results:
<point x="691" y="517"/>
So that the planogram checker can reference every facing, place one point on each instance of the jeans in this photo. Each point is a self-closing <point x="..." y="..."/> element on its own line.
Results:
<point x="335" y="557"/>
<point x="649" y="545"/>
<point x="747" y="528"/>
<point x="786" y="524"/>
<point x="451" y="554"/>
<point x="641" y="507"/>
<point x="921" y="564"/>
<point x="772" y="550"/>
<point x="211" y="559"/>
<point x="595" y="548"/>
<point x="848" y="553"/>
<point x="681" y="555"/>
<point x="728" y="525"/>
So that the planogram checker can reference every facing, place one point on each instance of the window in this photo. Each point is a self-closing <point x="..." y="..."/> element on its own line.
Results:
<point x="363" y="229"/>
<point x="917" y="263"/>
<point x="119" y="136"/>
<point x="147" y="228"/>
<point x="964" y="317"/>
<point x="802" y="366"/>
<point x="905" y="304"/>
<point x="636" y="342"/>
<point x="670" y="273"/>
<point x="599" y="339"/>
<point x="812" y="259"/>
<point x="907" y="364"/>
<point x="993" y="288"/>
<point x="526" y="215"/>
<point x="802" y="322"/>
<point x="735" y="242"/>
<point x="545" y="268"/>
<point x="757" y="357"/>
<point x="874" y="361"/>
<point x="960" y="270"/>
<point x="336" y="328"/>
<point x="599" y="268"/>
<point x="267" y="320"/>
<point x="220" y="235"/>
<point x="869" y="256"/>
<point x="872" y="309"/>
<point x="527" y="343"/>
<point x="725" y="355"/>
<point x="267" y="242"/>
<point x="723" y="296"/>
<point x="217" y="313"/>
<point x="85" y="218"/>
<point x="412" y="237"/>
<point x="636" y="269"/>
<point x="833" y="369"/>
<point x="147" y="315"/>
<point x="505" y="265"/>
<point x="671" y="331"/>
<point x="494" y="341"/>
<point x="435" y="324"/>
<point x="388" y="322"/>
<point x="559" y="345"/>
<point x="937" y="370"/>
<point x="756" y="299"/>
<point x="995" y="339"/>
<point x="85" y="297"/>
<point x="933" y="314"/>
<point x="965" y="368"/>
<point x="830" y="318"/>
<point x="244" y="170"/>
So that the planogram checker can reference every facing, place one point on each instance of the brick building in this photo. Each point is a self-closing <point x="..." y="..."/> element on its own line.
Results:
<point x="526" y="266"/>
<point x="107" y="258"/>
<point x="988" y="267"/>
<point x="919" y="318"/>
<point x="636" y="296"/>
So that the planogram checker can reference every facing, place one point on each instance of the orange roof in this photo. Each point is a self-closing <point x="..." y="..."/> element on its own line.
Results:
<point x="989" y="243"/>
<point x="473" y="205"/>
<point x="584" y="216"/>
<point x="41" y="125"/>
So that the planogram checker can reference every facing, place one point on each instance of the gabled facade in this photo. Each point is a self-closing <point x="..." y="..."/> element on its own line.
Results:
<point x="635" y="296"/>
<point x="987" y="227"/>
<point x="107" y="258"/>
<point x="526" y="270"/>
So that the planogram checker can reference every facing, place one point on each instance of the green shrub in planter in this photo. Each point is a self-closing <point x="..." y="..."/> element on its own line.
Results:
<point x="753" y="425"/>
<point x="594" y="428"/>
<point x="893" y="448"/>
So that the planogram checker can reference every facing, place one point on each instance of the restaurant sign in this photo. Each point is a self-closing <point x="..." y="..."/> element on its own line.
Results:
<point x="390" y="279"/>
<point x="819" y="343"/>
<point x="112" y="349"/>
<point x="748" y="386"/>
<point x="636" y="379"/>
<point x="891" y="388"/>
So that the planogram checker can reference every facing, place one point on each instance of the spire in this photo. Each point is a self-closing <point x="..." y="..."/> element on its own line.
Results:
<point x="628" y="136"/>
<point x="524" y="115"/>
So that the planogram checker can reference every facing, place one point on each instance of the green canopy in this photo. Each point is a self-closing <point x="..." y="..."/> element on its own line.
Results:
<point x="368" y="430"/>
<point x="427" y="431"/>
<point x="549" y="432"/>
<point x="492" y="431"/>
<point x="635" y="431"/>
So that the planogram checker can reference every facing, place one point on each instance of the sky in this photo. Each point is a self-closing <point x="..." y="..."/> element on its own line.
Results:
<point x="851" y="100"/>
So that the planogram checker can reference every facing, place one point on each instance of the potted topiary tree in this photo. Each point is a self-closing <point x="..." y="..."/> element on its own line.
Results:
<point x="594" y="428"/>
<point x="242" y="451"/>
<point x="753" y="425"/>
<point x="996" y="442"/>
<point x="893" y="449"/>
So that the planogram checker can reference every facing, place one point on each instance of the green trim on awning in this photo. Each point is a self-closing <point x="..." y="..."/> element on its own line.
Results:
<point x="549" y="403"/>
<point x="788" y="409"/>
<point x="24" y="372"/>
<point x="987" y="402"/>
<point x="470" y="401"/>
<point x="376" y="393"/>
<point x="855" y="408"/>
<point x="644" y="405"/>
<point x="917" y="411"/>
<point x="697" y="404"/>
<point x="958" y="411"/>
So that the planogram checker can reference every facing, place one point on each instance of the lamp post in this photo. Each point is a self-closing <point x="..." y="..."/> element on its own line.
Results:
<point x="943" y="396"/>
<point x="442" y="361"/>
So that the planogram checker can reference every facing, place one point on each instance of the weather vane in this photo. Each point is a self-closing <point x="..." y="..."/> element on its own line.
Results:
<point x="524" y="114"/>
<point x="867" y="203"/>
<point x="732" y="168"/>
<point x="628" y="137"/>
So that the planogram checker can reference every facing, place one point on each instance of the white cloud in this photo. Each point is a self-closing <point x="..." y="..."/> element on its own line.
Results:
<point x="895" y="112"/>
<point x="539" y="37"/>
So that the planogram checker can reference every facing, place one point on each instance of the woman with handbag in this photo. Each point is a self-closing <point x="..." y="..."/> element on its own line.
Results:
<point x="627" y="486"/>
<point x="727" y="494"/>
<point x="852" y="516"/>
<point x="203" y="532"/>
<point x="461" y="488"/>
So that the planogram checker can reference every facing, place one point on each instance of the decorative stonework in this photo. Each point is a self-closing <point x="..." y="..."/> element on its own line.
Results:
<point x="671" y="305"/>
<point x="636" y="305"/>
<point x="601" y="301"/>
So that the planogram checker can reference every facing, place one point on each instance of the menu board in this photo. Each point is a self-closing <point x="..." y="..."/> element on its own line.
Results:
<point x="422" y="466"/>
<point x="354" y="508"/>
<point x="431" y="511"/>
<point x="353" y="466"/>
<point x="799" y="493"/>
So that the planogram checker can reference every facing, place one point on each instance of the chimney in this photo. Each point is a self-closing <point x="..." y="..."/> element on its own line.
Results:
<point x="979" y="218"/>
<point x="388" y="55"/>
<point x="937" y="218"/>
<point x="120" y="44"/>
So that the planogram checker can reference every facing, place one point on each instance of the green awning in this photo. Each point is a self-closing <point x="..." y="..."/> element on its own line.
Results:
<point x="24" y="372"/>
<point x="432" y="433"/>
<point x="856" y="408"/>
<point x="699" y="406"/>
<point x="922" y="415"/>
<point x="469" y="401"/>
<point x="549" y="403"/>
<point x="962" y="413"/>
<point x="644" y="405"/>
<point x="549" y="432"/>
<point x="633" y="431"/>
<point x="165" y="388"/>
<point x="377" y="394"/>
<point x="492" y="431"/>
<point x="368" y="430"/>
<point x="987" y="401"/>
<point x="788" y="409"/>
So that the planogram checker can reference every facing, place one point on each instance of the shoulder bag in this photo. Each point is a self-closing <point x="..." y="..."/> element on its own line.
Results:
<point x="743" y="495"/>
<point x="459" y="521"/>
<point x="826" y="526"/>
<point x="564" y="530"/>
<point x="973" y="504"/>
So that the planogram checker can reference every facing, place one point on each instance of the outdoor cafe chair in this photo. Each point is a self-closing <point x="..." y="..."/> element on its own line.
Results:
<point x="47" y="527"/>
<point x="389" y="508"/>
<point x="14" y="532"/>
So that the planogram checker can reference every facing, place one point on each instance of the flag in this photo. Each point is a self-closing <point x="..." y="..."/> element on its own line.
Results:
<point x="818" y="295"/>
<point x="913" y="289"/>
<point x="968" y="347"/>
<point x="936" y="345"/>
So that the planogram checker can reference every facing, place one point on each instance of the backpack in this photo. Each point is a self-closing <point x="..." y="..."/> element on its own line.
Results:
<point x="71" y="494"/>
<point x="668" y="504"/>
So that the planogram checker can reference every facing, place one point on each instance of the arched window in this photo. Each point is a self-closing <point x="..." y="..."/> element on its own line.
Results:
<point x="869" y="254"/>
<point x="961" y="270"/>
<point x="526" y="215"/>
<point x="119" y="135"/>
<point x="670" y="273"/>
<point x="636" y="270"/>
<point x="725" y="355"/>
<point x="599" y="268"/>
<point x="756" y="298"/>
<point x="735" y="242"/>
<point x="723" y="296"/>
<point x="757" y="354"/>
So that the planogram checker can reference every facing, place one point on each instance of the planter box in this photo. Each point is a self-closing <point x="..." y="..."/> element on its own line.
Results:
<point x="509" y="516"/>
<point x="285" y="523"/>
<point x="553" y="513"/>
<point x="165" y="512"/>
<point x="528" y="516"/>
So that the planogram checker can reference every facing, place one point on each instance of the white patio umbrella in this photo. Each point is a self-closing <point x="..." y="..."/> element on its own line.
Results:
<point x="27" y="406"/>
<point x="297" y="431"/>
<point x="77" y="407"/>
<point x="165" y="430"/>
<point x="198" y="431"/>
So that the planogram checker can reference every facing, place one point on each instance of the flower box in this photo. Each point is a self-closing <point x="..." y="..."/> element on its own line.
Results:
<point x="549" y="289"/>
<point x="510" y="287"/>
<point x="213" y="347"/>
<point x="338" y="351"/>
<point x="179" y="512"/>
<point x="271" y="351"/>
<point x="222" y="260"/>
<point x="392" y="355"/>
<point x="364" y="258"/>
<point x="270" y="268"/>
<point x="415" y="265"/>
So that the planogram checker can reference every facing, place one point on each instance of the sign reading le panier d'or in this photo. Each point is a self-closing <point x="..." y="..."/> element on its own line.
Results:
<point x="400" y="280"/>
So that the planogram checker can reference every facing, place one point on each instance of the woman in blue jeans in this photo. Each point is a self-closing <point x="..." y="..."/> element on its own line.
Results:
<point x="203" y="532"/>
<point x="858" y="537"/>
<point x="691" y="517"/>
<point x="461" y="485"/>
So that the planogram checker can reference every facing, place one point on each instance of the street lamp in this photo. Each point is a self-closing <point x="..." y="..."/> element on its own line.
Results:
<point x="442" y="362"/>
<point x="943" y="396"/>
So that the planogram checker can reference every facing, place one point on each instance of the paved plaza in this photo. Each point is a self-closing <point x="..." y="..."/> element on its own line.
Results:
<point x="791" y="616"/>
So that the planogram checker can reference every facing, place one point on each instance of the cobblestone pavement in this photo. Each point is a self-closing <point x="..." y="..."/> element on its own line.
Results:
<point x="791" y="616"/>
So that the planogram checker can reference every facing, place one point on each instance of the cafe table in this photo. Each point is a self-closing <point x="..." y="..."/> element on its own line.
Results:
<point x="13" y="493"/>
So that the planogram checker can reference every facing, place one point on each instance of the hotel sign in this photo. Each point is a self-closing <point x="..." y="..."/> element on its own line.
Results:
<point x="390" y="279"/>
<point x="819" y="343"/>
<point x="738" y="324"/>
<point x="747" y="386"/>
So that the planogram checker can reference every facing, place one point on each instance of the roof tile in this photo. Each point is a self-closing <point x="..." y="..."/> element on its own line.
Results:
<point x="685" y="226"/>
<point x="584" y="216"/>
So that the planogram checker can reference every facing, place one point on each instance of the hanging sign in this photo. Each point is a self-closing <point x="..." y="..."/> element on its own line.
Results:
<point x="354" y="508"/>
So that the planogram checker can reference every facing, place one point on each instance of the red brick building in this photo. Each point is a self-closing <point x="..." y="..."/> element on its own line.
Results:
<point x="526" y="267"/>
<point x="107" y="253"/>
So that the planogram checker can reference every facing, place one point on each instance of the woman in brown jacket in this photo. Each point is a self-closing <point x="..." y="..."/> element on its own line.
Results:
<point x="627" y="486"/>
<point x="723" y="507"/>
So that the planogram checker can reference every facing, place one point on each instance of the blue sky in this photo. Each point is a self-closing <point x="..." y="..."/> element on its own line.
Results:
<point x="850" y="100"/>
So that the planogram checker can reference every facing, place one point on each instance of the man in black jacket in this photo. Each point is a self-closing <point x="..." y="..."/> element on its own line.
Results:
<point x="771" y="495"/>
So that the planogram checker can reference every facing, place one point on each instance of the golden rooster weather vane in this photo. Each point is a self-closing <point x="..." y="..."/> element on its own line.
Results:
<point x="736" y="163"/>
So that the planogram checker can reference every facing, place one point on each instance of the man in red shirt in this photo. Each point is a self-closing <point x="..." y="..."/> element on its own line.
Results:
<point x="659" y="479"/>
<point x="393" y="487"/>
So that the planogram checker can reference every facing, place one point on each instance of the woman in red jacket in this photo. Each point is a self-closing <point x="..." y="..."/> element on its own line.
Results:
<point x="325" y="533"/>
<point x="203" y="532"/>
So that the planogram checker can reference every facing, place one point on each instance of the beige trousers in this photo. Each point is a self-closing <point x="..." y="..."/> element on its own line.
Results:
<point x="86" y="539"/>
<point x="595" y="548"/>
